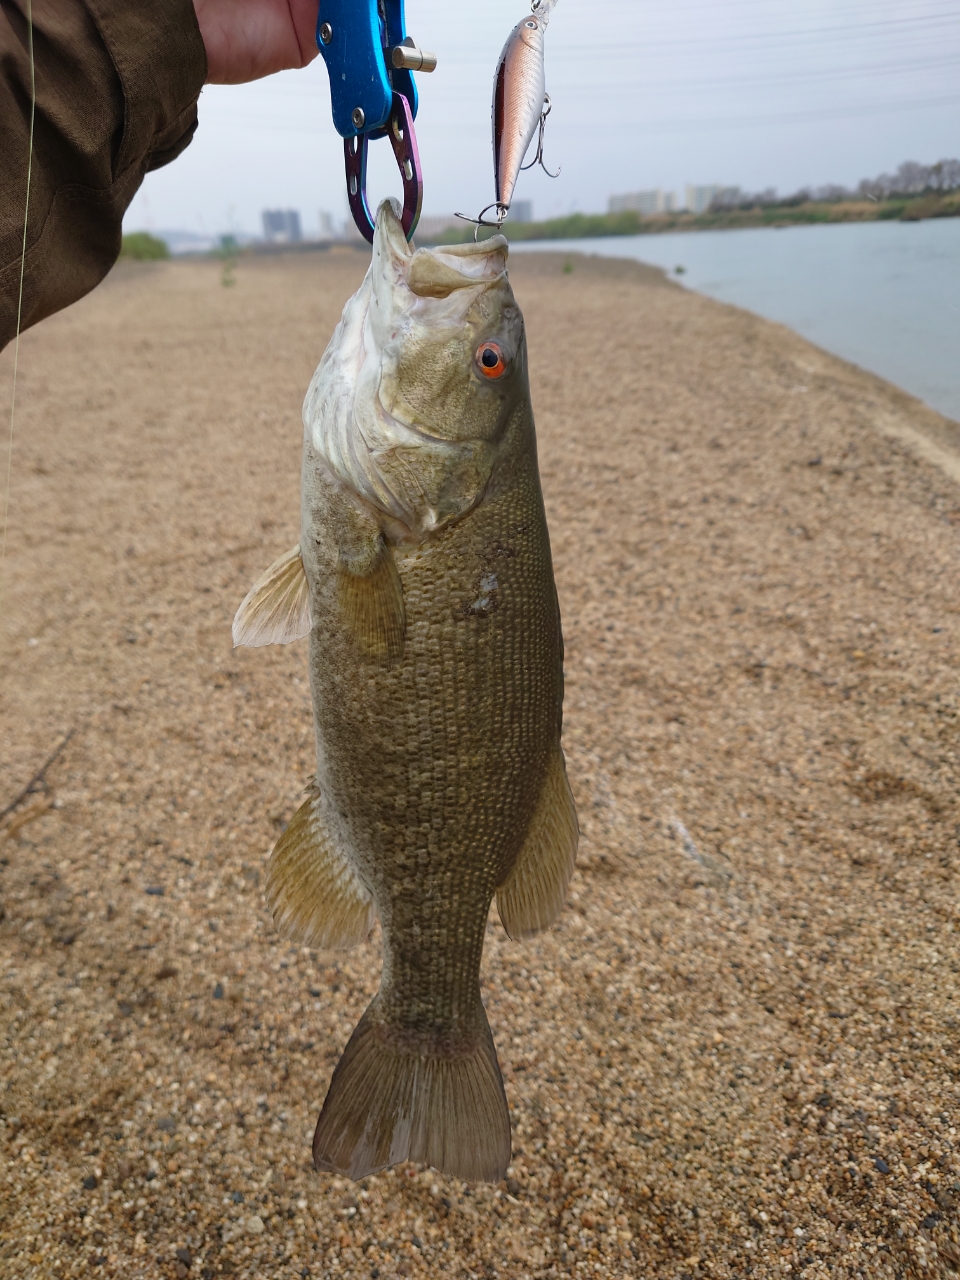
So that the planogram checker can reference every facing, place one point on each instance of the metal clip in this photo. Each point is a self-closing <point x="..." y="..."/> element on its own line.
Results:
<point x="538" y="158"/>
<point x="404" y="143"/>
<point x="370" y="61"/>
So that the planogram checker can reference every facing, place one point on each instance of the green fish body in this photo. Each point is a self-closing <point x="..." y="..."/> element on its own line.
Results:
<point x="425" y="580"/>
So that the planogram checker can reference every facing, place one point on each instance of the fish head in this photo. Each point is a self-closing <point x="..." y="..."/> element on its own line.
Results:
<point x="449" y="333"/>
<point x="414" y="395"/>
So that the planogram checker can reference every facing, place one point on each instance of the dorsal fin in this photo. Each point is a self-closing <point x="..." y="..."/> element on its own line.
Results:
<point x="276" y="609"/>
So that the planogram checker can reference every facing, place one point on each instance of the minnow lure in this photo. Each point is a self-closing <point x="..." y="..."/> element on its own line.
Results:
<point x="520" y="102"/>
<point x="521" y="105"/>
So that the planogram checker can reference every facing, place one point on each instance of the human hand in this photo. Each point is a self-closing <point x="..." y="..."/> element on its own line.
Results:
<point x="248" y="39"/>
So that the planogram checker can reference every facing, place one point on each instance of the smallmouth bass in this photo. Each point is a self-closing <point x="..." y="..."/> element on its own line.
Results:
<point x="424" y="580"/>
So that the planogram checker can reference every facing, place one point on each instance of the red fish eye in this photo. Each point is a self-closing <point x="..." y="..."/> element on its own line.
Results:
<point x="491" y="360"/>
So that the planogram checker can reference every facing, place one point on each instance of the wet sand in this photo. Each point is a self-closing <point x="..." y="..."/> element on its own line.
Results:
<point x="736" y="1055"/>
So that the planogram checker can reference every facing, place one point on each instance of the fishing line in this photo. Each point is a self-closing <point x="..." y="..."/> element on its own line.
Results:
<point x="23" y="264"/>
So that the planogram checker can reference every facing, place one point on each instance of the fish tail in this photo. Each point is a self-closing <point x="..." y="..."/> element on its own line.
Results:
<point x="393" y="1098"/>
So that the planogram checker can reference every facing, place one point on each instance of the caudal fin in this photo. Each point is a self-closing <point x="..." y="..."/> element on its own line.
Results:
<point x="388" y="1103"/>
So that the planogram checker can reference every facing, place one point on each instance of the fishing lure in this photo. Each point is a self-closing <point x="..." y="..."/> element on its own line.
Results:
<point x="521" y="105"/>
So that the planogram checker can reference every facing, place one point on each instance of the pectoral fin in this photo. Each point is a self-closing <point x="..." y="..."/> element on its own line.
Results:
<point x="372" y="604"/>
<point x="313" y="892"/>
<point x="276" y="609"/>
<point x="531" y="897"/>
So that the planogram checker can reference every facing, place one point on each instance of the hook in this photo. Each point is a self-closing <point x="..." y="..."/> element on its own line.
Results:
<point x="502" y="210"/>
<point x="538" y="158"/>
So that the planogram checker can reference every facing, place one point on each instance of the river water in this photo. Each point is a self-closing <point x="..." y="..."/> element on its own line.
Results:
<point x="884" y="295"/>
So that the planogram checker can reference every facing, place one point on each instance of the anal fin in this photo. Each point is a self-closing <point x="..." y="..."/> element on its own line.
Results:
<point x="372" y="604"/>
<point x="276" y="609"/>
<point x="531" y="897"/>
<point x="313" y="892"/>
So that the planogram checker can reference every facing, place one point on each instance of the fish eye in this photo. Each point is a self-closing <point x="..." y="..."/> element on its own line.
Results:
<point x="491" y="360"/>
<point x="532" y="26"/>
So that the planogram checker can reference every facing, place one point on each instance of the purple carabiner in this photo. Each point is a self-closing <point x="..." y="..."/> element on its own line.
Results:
<point x="403" y="139"/>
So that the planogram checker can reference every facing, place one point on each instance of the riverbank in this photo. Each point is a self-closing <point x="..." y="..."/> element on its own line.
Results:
<point x="736" y="1055"/>
<point x="579" y="226"/>
<point x="883" y="295"/>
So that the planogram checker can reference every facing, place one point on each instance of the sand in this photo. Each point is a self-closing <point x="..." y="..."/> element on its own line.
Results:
<point x="736" y="1055"/>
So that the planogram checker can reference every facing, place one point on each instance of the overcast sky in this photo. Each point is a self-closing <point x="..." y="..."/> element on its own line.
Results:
<point x="752" y="93"/>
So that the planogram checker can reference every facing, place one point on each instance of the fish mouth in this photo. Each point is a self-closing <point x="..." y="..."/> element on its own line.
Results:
<point x="440" y="272"/>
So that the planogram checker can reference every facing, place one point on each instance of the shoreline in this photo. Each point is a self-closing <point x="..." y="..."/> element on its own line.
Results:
<point x="882" y="299"/>
<point x="583" y="226"/>
<point x="606" y="226"/>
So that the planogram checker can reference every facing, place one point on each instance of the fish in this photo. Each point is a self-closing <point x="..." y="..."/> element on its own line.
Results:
<point x="520" y="102"/>
<point x="423" y="578"/>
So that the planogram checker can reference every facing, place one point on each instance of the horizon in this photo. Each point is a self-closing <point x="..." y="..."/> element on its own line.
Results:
<point x="885" y="183"/>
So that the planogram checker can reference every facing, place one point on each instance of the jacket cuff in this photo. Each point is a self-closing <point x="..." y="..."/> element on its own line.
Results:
<point x="158" y="53"/>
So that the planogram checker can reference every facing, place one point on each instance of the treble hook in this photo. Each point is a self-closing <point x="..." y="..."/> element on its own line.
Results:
<point x="502" y="211"/>
<point x="538" y="158"/>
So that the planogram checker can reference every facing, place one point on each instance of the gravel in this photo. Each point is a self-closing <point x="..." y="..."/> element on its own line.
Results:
<point x="737" y="1053"/>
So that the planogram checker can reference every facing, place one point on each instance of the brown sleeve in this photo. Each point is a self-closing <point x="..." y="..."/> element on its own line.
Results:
<point x="117" y="87"/>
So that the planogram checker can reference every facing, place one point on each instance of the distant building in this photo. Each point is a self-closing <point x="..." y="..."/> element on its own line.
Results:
<point x="646" y="203"/>
<point x="699" y="199"/>
<point x="521" y="211"/>
<point x="281" y="226"/>
<point x="327" y="229"/>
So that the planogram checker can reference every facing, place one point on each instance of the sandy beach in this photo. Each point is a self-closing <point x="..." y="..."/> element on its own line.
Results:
<point x="736" y="1055"/>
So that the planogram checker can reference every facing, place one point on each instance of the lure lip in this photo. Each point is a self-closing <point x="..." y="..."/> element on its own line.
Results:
<point x="543" y="9"/>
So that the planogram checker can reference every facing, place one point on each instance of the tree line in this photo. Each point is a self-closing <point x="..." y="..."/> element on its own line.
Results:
<point x="910" y="179"/>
